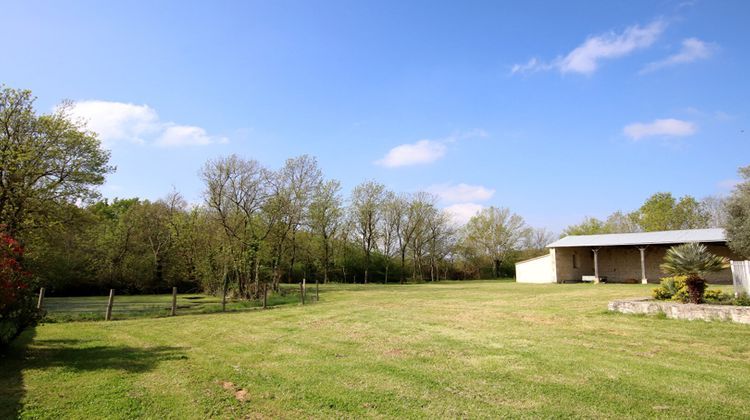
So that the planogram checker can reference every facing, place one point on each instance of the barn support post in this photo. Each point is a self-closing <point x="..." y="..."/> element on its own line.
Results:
<point x="596" y="264"/>
<point x="642" y="249"/>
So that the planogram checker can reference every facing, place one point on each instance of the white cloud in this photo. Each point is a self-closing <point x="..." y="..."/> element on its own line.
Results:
<point x="585" y="58"/>
<point x="461" y="192"/>
<point x="125" y="122"/>
<point x="186" y="135"/>
<point x="693" y="49"/>
<point x="668" y="127"/>
<point x="117" y="121"/>
<point x="424" y="151"/>
<point x="462" y="212"/>
<point x="419" y="153"/>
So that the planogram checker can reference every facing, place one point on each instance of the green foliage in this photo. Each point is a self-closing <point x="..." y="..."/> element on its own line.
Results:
<point x="717" y="297"/>
<point x="692" y="260"/>
<point x="683" y="295"/>
<point x="669" y="287"/>
<point x="742" y="300"/>
<point x="662" y="211"/>
<point x="496" y="234"/>
<point x="738" y="216"/>
<point x="46" y="161"/>
<point x="589" y="226"/>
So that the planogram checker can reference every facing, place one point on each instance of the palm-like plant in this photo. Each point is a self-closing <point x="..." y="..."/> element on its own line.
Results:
<point x="693" y="261"/>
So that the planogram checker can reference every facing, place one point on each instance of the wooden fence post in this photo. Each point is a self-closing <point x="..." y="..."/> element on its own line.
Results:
<point x="302" y="293"/>
<point x="174" y="301"/>
<point x="317" y="289"/>
<point x="108" y="315"/>
<point x="40" y="302"/>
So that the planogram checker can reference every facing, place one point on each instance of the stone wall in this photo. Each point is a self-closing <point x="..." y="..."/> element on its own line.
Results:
<point x="686" y="311"/>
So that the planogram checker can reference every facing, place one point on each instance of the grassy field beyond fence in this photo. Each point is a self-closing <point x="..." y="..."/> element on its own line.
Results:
<point x="93" y="308"/>
<point x="447" y="350"/>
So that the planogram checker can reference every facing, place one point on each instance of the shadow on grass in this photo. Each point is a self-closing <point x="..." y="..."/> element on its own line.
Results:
<point x="11" y="377"/>
<point x="25" y="353"/>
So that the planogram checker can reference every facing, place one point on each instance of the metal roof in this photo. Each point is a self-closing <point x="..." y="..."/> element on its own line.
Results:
<point x="642" y="238"/>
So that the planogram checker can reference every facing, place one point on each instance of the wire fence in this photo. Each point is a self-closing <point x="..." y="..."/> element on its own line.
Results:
<point x="92" y="308"/>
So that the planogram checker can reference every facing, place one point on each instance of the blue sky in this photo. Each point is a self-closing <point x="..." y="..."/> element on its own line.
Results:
<point x="557" y="110"/>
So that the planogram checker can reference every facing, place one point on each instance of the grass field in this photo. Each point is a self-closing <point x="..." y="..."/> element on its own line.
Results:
<point x="93" y="308"/>
<point x="471" y="349"/>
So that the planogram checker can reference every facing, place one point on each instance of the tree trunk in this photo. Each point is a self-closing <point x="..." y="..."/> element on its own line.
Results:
<point x="326" y="257"/>
<point x="403" y="264"/>
<point x="496" y="268"/>
<point x="696" y="286"/>
<point x="367" y="265"/>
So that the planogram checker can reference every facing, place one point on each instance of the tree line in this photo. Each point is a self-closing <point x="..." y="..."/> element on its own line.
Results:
<point x="661" y="211"/>
<point x="256" y="226"/>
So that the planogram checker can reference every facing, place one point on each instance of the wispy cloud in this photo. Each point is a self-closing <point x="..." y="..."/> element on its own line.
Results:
<point x="669" y="127"/>
<point x="419" y="153"/>
<point x="186" y="135"/>
<point x="693" y="49"/>
<point x="585" y="59"/>
<point x="116" y="122"/>
<point x="424" y="151"/>
<point x="461" y="213"/>
<point x="461" y="192"/>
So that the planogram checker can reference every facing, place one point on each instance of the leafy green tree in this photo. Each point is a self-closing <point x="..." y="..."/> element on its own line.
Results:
<point x="693" y="261"/>
<point x="45" y="161"/>
<point x="589" y="226"/>
<point x="325" y="219"/>
<point x="662" y="211"/>
<point x="738" y="216"/>
<point x="495" y="233"/>
<point x="365" y="213"/>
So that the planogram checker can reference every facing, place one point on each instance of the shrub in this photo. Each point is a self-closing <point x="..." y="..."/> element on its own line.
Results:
<point x="717" y="297"/>
<point x="669" y="287"/>
<point x="17" y="309"/>
<point x="660" y="293"/>
<point x="682" y="295"/>
<point x="742" y="300"/>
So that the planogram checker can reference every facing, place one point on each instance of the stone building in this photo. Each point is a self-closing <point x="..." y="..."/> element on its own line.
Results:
<point x="618" y="257"/>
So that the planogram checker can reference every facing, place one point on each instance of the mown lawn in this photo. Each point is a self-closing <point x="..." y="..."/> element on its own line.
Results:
<point x="470" y="349"/>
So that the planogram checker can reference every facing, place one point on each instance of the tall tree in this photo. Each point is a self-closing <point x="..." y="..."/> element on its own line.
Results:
<point x="325" y="218"/>
<point x="236" y="191"/>
<point x="392" y="218"/>
<point x="45" y="160"/>
<point x="715" y="207"/>
<point x="365" y="213"/>
<point x="300" y="177"/>
<point x="738" y="215"/>
<point x="537" y="240"/>
<point x="589" y="226"/>
<point x="662" y="211"/>
<point x="495" y="233"/>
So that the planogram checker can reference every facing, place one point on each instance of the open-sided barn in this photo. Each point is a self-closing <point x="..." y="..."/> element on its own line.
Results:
<point x="618" y="257"/>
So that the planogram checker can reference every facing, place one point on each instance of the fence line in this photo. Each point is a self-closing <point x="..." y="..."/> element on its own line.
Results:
<point x="110" y="307"/>
<point x="741" y="277"/>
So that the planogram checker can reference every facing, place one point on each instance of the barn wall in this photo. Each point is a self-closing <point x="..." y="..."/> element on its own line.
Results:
<point x="536" y="270"/>
<point x="623" y="263"/>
